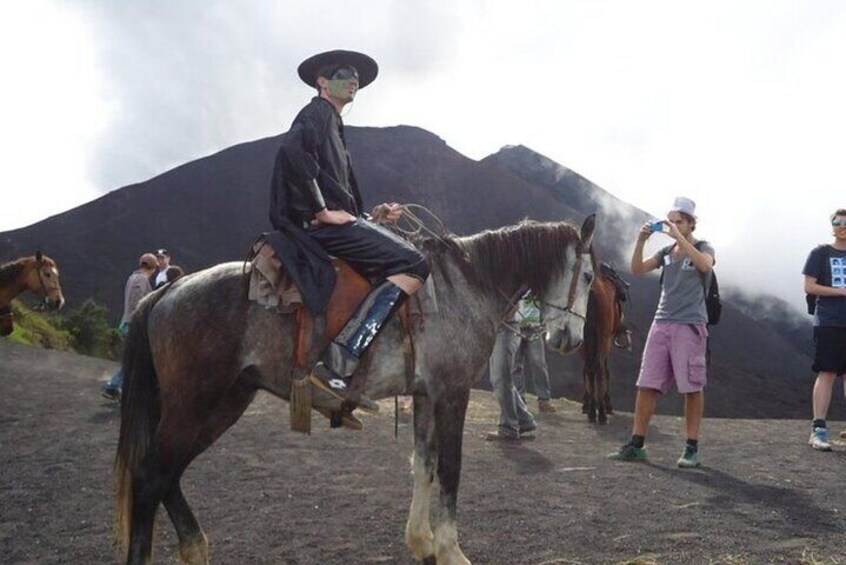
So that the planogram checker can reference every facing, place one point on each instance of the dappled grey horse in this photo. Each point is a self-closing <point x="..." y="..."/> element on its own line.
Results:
<point x="181" y="393"/>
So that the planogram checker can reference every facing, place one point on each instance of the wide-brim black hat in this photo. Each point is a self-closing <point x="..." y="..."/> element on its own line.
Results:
<point x="366" y="66"/>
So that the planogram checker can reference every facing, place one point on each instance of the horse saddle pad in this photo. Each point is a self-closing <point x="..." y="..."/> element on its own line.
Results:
<point x="271" y="287"/>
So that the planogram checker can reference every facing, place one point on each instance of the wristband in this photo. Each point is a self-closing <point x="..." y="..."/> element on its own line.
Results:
<point x="316" y="195"/>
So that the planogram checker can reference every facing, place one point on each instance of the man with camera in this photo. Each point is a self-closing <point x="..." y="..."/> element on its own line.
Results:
<point x="675" y="350"/>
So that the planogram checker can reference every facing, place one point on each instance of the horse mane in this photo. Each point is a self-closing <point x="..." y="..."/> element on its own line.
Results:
<point x="506" y="257"/>
<point x="9" y="272"/>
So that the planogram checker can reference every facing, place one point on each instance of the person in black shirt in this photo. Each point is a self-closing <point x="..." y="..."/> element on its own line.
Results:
<point x="315" y="189"/>
<point x="825" y="278"/>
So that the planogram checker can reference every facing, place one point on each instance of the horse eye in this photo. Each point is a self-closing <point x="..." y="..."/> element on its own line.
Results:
<point x="589" y="277"/>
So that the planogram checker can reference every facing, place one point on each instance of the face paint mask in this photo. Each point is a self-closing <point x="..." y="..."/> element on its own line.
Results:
<point x="340" y="89"/>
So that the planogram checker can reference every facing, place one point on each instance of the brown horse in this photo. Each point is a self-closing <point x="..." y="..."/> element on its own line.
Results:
<point x="603" y="326"/>
<point x="37" y="274"/>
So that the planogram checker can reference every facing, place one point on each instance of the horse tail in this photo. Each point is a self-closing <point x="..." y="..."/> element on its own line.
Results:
<point x="140" y="412"/>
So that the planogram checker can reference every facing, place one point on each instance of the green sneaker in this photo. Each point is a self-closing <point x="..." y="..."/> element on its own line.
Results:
<point x="689" y="459"/>
<point x="629" y="453"/>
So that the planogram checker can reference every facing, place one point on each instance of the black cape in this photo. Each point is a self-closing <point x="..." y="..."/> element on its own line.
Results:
<point x="308" y="264"/>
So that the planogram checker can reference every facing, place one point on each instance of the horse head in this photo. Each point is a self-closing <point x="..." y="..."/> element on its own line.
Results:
<point x="564" y="304"/>
<point x="42" y="279"/>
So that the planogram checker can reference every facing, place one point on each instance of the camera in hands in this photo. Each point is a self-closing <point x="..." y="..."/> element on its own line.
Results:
<point x="658" y="226"/>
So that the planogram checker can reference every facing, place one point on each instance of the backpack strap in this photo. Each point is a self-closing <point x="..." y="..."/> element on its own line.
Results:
<point x="704" y="276"/>
<point x="697" y="246"/>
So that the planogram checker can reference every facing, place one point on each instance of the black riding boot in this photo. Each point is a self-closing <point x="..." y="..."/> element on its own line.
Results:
<point x="340" y="360"/>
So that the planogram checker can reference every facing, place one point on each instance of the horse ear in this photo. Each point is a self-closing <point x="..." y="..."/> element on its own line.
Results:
<point x="38" y="256"/>
<point x="587" y="230"/>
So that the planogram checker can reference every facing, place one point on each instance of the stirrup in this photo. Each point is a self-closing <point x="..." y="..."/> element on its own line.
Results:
<point x="318" y="377"/>
<point x="328" y="384"/>
<point x="338" y="418"/>
<point x="627" y="344"/>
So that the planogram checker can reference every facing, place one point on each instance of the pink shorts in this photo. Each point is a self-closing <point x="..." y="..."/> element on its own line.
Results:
<point x="674" y="353"/>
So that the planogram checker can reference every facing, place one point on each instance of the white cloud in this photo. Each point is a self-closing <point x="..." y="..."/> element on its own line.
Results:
<point x="738" y="105"/>
<point x="50" y="108"/>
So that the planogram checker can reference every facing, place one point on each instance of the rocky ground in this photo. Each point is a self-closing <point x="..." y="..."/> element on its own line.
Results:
<point x="267" y="495"/>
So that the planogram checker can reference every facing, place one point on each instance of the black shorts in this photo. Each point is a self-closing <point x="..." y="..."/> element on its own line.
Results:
<point x="829" y="350"/>
<point x="374" y="252"/>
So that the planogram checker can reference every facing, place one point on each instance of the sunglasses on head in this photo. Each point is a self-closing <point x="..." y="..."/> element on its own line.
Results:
<point x="838" y="223"/>
<point x="344" y="73"/>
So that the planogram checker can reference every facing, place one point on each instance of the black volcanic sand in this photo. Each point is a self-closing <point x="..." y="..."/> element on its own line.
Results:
<point x="267" y="495"/>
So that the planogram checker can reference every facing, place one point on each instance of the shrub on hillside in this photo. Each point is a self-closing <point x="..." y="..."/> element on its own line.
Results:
<point x="38" y="329"/>
<point x="90" y="332"/>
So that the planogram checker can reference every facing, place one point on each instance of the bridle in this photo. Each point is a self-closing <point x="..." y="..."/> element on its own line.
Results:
<point x="571" y="295"/>
<point x="38" y="266"/>
<point x="571" y="298"/>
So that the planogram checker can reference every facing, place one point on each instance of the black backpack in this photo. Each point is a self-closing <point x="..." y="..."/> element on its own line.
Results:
<point x="811" y="299"/>
<point x="713" y="305"/>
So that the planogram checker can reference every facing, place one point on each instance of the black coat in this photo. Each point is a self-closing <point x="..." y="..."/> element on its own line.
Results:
<point x="313" y="157"/>
<point x="306" y="262"/>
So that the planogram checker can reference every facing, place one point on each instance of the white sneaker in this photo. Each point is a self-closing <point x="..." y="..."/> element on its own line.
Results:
<point x="819" y="439"/>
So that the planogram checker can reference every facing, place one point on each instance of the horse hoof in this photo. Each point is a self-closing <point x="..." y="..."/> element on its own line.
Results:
<point x="430" y="560"/>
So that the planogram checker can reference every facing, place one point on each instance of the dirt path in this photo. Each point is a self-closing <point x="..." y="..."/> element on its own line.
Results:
<point x="267" y="495"/>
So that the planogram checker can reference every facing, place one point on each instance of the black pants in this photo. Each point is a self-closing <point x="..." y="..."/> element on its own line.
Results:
<point x="829" y="350"/>
<point x="374" y="252"/>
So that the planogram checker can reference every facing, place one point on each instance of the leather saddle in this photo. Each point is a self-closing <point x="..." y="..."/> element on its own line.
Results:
<point x="311" y="335"/>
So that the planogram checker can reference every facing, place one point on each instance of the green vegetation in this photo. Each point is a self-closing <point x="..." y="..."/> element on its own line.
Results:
<point x="90" y="332"/>
<point x="83" y="330"/>
<point x="38" y="329"/>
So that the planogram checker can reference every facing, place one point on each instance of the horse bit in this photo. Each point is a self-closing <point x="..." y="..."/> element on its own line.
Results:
<point x="571" y="297"/>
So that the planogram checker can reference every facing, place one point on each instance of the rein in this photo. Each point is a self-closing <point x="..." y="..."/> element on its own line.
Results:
<point x="571" y="295"/>
<point x="418" y="225"/>
<point x="505" y="318"/>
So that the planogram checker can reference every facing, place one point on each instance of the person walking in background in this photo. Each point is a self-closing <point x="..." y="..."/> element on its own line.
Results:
<point x="825" y="279"/>
<point x="530" y="356"/>
<point x="515" y="420"/>
<point x="675" y="349"/>
<point x="159" y="277"/>
<point x="137" y="287"/>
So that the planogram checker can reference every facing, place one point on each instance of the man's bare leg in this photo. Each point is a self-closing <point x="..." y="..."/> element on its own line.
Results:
<point x="694" y="407"/>
<point x="645" y="403"/>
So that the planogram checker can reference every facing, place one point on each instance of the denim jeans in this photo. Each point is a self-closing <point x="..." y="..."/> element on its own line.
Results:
<point x="514" y="414"/>
<point x="530" y="357"/>
<point x="116" y="382"/>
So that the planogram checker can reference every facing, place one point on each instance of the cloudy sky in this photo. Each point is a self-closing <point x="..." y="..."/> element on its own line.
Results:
<point x="739" y="105"/>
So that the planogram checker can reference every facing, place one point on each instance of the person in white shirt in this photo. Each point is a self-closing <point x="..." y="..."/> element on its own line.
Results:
<point x="160" y="276"/>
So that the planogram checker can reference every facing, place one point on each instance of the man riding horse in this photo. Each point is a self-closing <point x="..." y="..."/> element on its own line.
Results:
<point x="315" y="191"/>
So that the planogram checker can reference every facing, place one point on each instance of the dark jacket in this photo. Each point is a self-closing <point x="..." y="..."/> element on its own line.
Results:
<point x="313" y="168"/>
<point x="308" y="265"/>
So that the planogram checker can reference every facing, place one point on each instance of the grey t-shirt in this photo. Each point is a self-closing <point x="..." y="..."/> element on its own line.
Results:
<point x="683" y="291"/>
